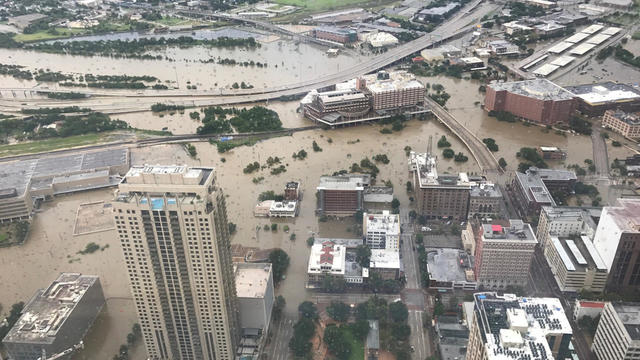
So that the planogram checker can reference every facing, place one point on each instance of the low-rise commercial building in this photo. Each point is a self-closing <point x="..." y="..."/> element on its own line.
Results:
<point x="292" y="191"/>
<point x="386" y="263"/>
<point x="538" y="100"/>
<point x="438" y="196"/>
<point x="57" y="318"/>
<point x="530" y="192"/>
<point x="551" y="153"/>
<point x="391" y="90"/>
<point x="503" y="253"/>
<point x="576" y="264"/>
<point x="618" y="333"/>
<point x="330" y="257"/>
<point x="451" y="269"/>
<point x="342" y="195"/>
<point x="617" y="239"/>
<point x="283" y="209"/>
<point x="254" y="288"/>
<point x="335" y="34"/>
<point x="587" y="308"/>
<point x="510" y="327"/>
<point x="625" y="124"/>
<point x="595" y="99"/>
<point x="437" y="13"/>
<point x="485" y="200"/>
<point x="556" y="180"/>
<point x="43" y="178"/>
<point x="382" y="231"/>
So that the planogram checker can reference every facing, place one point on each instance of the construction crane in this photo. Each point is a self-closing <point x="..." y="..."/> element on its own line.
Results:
<point x="70" y="350"/>
<point x="430" y="146"/>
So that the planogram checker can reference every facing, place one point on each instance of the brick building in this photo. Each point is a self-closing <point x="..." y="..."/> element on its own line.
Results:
<point x="539" y="100"/>
<point x="335" y="34"/>
<point x="342" y="195"/>
<point x="438" y="196"/>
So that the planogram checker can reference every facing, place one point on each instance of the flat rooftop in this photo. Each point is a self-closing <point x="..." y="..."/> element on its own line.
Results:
<point x="351" y="182"/>
<point x="534" y="188"/>
<point x="486" y="190"/>
<point x="441" y="10"/>
<point x="540" y="89"/>
<point x="578" y="254"/>
<point x="449" y="265"/>
<point x="516" y="231"/>
<point x="604" y="93"/>
<point x="252" y="279"/>
<point x="175" y="175"/>
<point x="517" y="327"/>
<point x="398" y="80"/>
<point x="573" y="213"/>
<point x="385" y="222"/>
<point x="626" y="215"/>
<point x="425" y="165"/>
<point x="629" y="314"/>
<point x="45" y="314"/>
<point x="385" y="259"/>
<point x="553" y="174"/>
<point x="19" y="174"/>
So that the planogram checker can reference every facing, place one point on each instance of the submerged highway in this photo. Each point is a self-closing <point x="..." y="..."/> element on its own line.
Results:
<point x="126" y="101"/>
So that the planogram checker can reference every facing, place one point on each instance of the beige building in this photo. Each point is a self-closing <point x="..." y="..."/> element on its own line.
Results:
<point x="506" y="327"/>
<point x="566" y="221"/>
<point x="438" y="196"/>
<point x="485" y="200"/>
<point x="503" y="254"/>
<point x="626" y="124"/>
<point x="172" y="224"/>
<point x="576" y="264"/>
<point x="618" y="333"/>
<point x="382" y="231"/>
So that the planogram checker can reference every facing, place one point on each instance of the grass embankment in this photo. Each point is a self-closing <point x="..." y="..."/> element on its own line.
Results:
<point x="309" y="7"/>
<point x="54" y="144"/>
<point x="46" y="35"/>
<point x="175" y="21"/>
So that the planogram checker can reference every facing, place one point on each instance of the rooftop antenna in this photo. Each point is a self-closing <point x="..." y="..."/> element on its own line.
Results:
<point x="430" y="145"/>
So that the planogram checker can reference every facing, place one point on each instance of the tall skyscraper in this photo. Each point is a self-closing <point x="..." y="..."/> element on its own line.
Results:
<point x="172" y="224"/>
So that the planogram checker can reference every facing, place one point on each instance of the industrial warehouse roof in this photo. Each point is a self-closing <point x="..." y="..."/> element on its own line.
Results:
<point x="592" y="29"/>
<point x="576" y="38"/>
<point x="541" y="89"/>
<point x="598" y="39"/>
<point x="20" y="174"/>
<point x="582" y="49"/>
<point x="563" y="60"/>
<point x="607" y="92"/>
<point x="560" y="47"/>
<point x="545" y="69"/>
<point x="611" y="31"/>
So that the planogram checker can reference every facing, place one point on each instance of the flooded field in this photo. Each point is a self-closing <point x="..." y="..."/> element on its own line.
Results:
<point x="287" y="62"/>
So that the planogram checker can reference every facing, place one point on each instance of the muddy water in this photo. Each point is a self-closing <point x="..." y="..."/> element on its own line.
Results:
<point x="288" y="62"/>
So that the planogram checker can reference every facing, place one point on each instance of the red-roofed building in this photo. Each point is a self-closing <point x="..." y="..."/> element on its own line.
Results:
<point x="587" y="308"/>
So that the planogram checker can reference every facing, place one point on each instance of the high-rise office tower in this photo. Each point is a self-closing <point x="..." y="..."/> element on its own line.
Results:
<point x="172" y="224"/>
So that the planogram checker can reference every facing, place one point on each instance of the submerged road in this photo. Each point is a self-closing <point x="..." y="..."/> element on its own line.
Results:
<point x="132" y="101"/>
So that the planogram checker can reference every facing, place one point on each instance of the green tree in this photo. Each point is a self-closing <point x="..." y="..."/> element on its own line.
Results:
<point x="395" y="203"/>
<point x="398" y="311"/>
<point x="448" y="153"/>
<point x="400" y="331"/>
<point x="279" y="260"/>
<point x="443" y="142"/>
<point x="339" y="311"/>
<point x="278" y="307"/>
<point x="363" y="256"/>
<point x="300" y="346"/>
<point x="308" y="310"/>
<point x="360" y="329"/>
<point x="502" y="162"/>
<point x="304" y="328"/>
<point x="336" y="342"/>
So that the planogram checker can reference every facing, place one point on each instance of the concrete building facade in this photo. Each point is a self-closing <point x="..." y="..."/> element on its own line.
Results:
<point x="503" y="253"/>
<point x="625" y="124"/>
<point x="595" y="99"/>
<point x="538" y="100"/>
<point x="617" y="239"/>
<point x="566" y="221"/>
<point x="57" y="318"/>
<point x="438" y="196"/>
<point x="382" y="231"/>
<point x="576" y="264"/>
<point x="172" y="225"/>
<point x="618" y="333"/>
<point x="485" y="200"/>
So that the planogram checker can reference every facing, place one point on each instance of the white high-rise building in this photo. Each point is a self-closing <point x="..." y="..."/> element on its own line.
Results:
<point x="382" y="231"/>
<point x="618" y="333"/>
<point x="172" y="224"/>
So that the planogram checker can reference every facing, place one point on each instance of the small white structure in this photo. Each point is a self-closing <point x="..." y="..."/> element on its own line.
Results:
<point x="382" y="231"/>
<point x="283" y="209"/>
<point x="381" y="39"/>
<point x="262" y="209"/>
